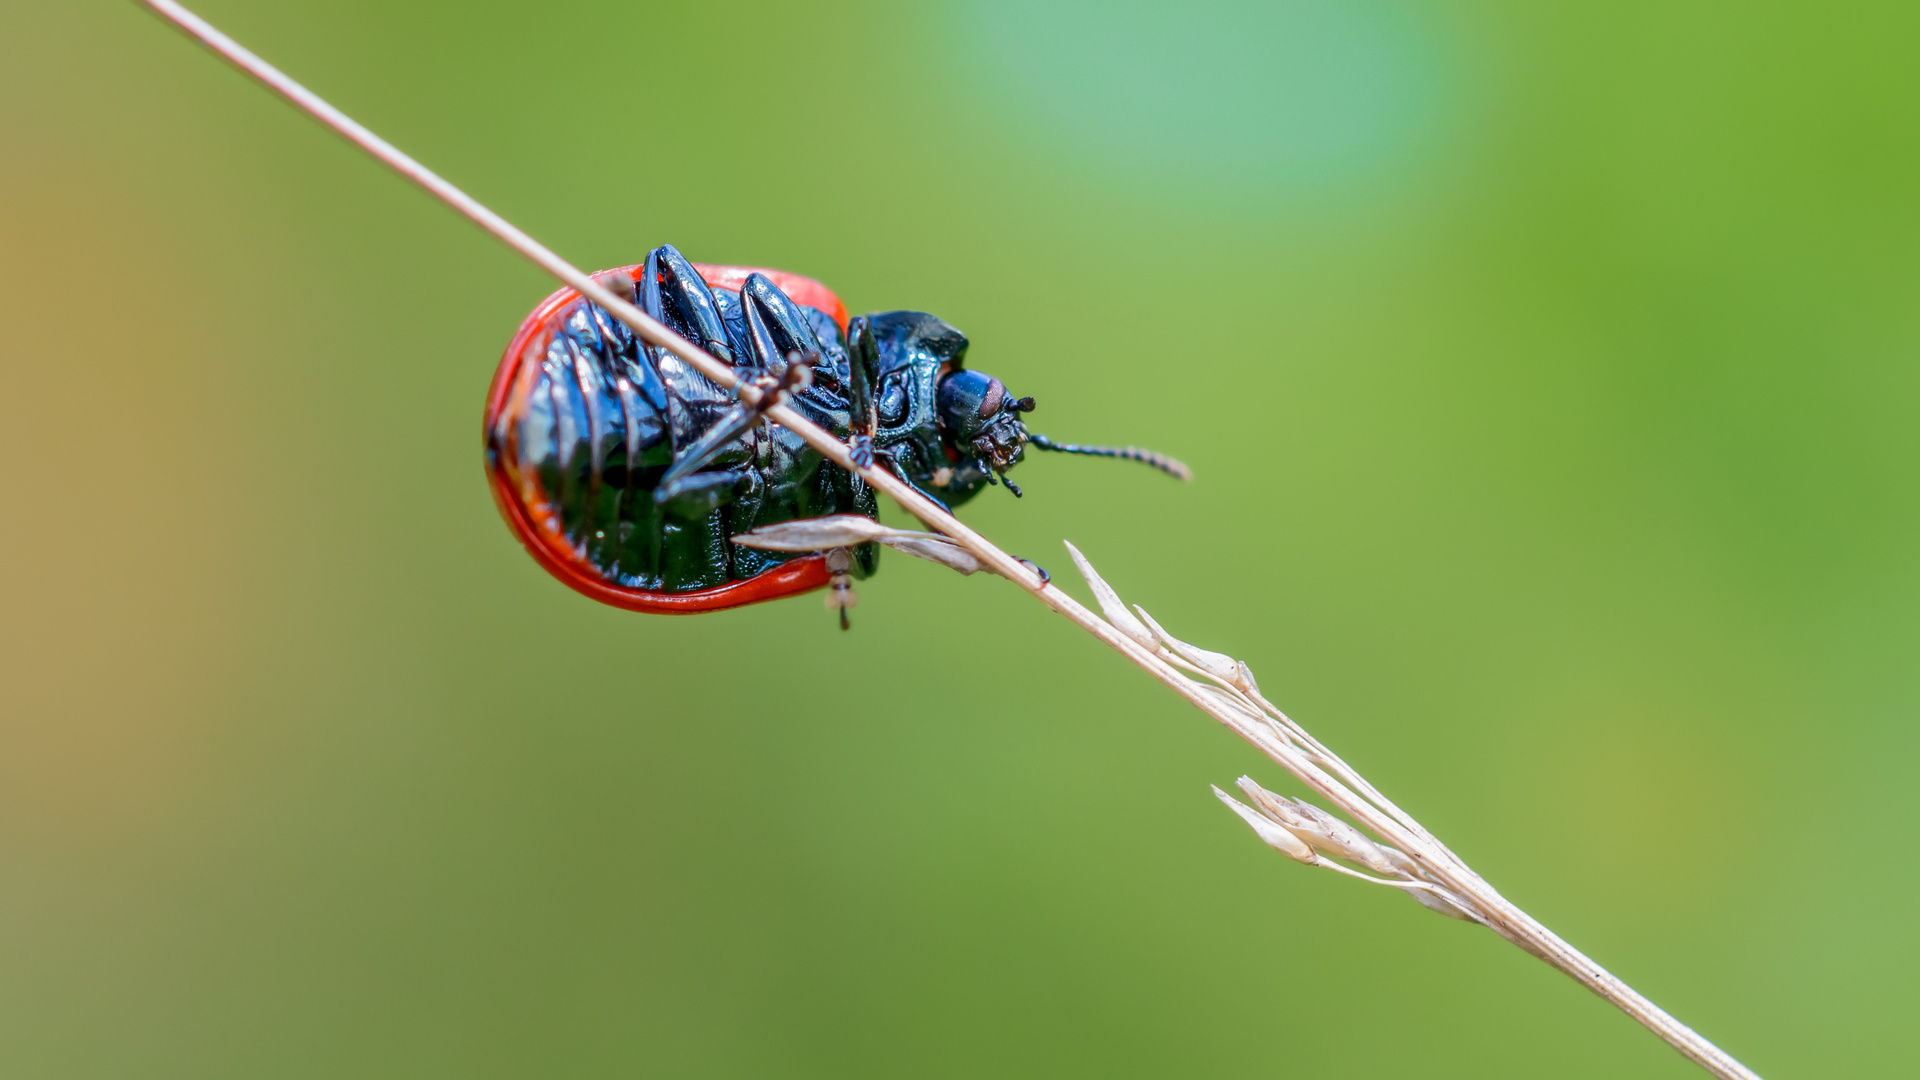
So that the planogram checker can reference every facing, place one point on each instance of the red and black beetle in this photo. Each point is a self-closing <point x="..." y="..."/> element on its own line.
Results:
<point x="627" y="474"/>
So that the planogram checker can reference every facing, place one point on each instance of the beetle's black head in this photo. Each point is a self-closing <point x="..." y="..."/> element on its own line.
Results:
<point x="948" y="429"/>
<point x="980" y="421"/>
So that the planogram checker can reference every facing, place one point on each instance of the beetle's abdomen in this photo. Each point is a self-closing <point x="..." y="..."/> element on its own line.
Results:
<point x="582" y="420"/>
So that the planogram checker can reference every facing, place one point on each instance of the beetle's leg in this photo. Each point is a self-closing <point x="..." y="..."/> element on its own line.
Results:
<point x="986" y="470"/>
<point x="864" y="362"/>
<point x="669" y="276"/>
<point x="679" y="475"/>
<point x="893" y="466"/>
<point x="792" y="330"/>
<point x="763" y="350"/>
<point x="840" y="594"/>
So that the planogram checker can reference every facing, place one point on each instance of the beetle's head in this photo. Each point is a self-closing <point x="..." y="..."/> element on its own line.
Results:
<point x="980" y="421"/>
<point x="976" y="425"/>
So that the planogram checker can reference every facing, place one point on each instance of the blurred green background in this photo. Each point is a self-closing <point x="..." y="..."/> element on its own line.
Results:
<point x="1550" y="376"/>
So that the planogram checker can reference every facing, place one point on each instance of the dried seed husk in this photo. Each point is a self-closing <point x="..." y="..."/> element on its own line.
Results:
<point x="1328" y="834"/>
<point x="1274" y="806"/>
<point x="814" y="534"/>
<point x="1116" y="612"/>
<point x="1232" y="703"/>
<point x="1219" y="665"/>
<point x="936" y="549"/>
<point x="849" y="530"/>
<point x="1336" y="837"/>
<point x="1404" y="864"/>
<point x="1433" y="901"/>
<point x="1275" y="837"/>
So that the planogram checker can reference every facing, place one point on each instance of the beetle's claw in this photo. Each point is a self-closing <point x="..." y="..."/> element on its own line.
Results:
<point x="840" y="594"/>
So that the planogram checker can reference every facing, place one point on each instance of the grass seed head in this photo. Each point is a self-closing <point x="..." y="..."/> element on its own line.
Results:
<point x="1219" y="665"/>
<point x="1116" y="612"/>
<point x="1328" y="834"/>
<point x="814" y="534"/>
<point x="937" y="549"/>
<point x="1233" y="703"/>
<point x="1275" y="836"/>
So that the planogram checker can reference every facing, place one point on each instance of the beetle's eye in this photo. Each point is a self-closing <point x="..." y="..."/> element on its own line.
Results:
<point x="892" y="403"/>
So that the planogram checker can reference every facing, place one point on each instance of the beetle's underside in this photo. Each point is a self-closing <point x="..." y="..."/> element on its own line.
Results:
<point x="586" y="419"/>
<point x="629" y="475"/>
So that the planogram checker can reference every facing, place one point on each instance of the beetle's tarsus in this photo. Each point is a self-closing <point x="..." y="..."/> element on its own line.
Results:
<point x="840" y="594"/>
<point x="863" y="369"/>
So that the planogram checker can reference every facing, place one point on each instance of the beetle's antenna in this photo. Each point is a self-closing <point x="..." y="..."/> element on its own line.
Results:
<point x="1174" y="468"/>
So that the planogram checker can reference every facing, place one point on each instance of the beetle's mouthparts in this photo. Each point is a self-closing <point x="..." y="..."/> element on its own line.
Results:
<point x="1001" y="445"/>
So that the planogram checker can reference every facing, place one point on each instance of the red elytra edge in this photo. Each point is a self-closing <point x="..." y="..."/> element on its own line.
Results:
<point x="558" y="557"/>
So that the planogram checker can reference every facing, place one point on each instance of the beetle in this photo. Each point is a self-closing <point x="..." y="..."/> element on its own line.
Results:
<point x="636" y="480"/>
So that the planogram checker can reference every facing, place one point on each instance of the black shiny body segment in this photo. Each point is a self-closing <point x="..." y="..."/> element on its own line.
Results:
<point x="606" y="416"/>
<point x="916" y="350"/>
<point x="601" y="417"/>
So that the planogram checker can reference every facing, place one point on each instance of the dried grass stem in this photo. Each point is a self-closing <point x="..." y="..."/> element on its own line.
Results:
<point x="1231" y="699"/>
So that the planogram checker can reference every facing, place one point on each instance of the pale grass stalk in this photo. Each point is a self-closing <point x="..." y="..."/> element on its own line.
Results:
<point x="1230" y="696"/>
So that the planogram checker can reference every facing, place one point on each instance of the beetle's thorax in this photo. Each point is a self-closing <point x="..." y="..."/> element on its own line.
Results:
<point x="946" y="426"/>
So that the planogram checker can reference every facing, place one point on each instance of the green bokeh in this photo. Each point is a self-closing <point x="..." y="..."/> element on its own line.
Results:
<point x="1557" y="461"/>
